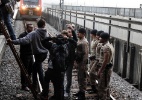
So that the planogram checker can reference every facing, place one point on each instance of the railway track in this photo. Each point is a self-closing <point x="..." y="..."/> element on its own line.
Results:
<point x="9" y="64"/>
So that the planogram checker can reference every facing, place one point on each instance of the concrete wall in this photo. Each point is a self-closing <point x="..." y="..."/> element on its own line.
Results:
<point x="127" y="59"/>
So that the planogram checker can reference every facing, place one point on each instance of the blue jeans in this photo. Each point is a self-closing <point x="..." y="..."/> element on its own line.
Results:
<point x="6" y="17"/>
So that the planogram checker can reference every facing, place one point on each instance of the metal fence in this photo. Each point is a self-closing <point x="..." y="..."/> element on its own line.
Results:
<point x="125" y="12"/>
<point x="126" y="36"/>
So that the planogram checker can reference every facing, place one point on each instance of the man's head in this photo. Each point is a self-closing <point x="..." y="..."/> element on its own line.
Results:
<point x="64" y="33"/>
<point x="60" y="39"/>
<point x="104" y="37"/>
<point x="69" y="32"/>
<point x="81" y="33"/>
<point x="29" y="28"/>
<point x="41" y="23"/>
<point x="98" y="34"/>
<point x="93" y="33"/>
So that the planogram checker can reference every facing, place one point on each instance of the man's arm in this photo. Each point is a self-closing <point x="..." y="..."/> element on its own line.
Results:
<point x="74" y="35"/>
<point x="73" y="42"/>
<point x="105" y="61"/>
<point x="24" y="40"/>
<point x="85" y="52"/>
<point x="73" y="32"/>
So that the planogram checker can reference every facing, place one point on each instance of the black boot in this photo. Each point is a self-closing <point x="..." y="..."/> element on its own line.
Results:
<point x="94" y="89"/>
<point x="77" y="94"/>
<point x="81" y="96"/>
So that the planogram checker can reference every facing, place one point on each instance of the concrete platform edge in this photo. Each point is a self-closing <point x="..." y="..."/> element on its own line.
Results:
<point x="2" y="46"/>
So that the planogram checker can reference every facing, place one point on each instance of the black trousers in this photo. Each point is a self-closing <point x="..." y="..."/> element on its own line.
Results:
<point x="68" y="73"/>
<point x="28" y="64"/>
<point x="57" y="79"/>
<point x="37" y="68"/>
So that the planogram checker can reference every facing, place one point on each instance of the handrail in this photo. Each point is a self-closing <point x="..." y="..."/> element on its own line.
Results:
<point x="104" y="17"/>
<point x="129" y="12"/>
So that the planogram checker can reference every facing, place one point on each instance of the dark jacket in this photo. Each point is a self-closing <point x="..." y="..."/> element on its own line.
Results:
<point x="25" y="49"/>
<point x="3" y="3"/>
<point x="72" y="46"/>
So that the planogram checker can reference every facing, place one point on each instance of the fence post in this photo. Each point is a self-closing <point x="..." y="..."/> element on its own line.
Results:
<point x="52" y="17"/>
<point x="70" y="16"/>
<point x="84" y="19"/>
<point x="134" y="12"/>
<point x="128" y="39"/>
<point x="76" y="19"/>
<point x="55" y="20"/>
<point x="116" y="56"/>
<point x="132" y="59"/>
<point x="94" y="22"/>
<point x="141" y="71"/>
<point x="50" y="14"/>
<point x="65" y="19"/>
<point x="124" y="69"/>
<point x="109" y="26"/>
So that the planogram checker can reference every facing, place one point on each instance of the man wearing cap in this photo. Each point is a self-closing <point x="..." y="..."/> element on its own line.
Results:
<point x="105" y="70"/>
<point x="81" y="60"/>
<point x="95" y="46"/>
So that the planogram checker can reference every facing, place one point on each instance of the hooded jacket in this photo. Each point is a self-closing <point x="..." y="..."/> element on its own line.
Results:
<point x="35" y="38"/>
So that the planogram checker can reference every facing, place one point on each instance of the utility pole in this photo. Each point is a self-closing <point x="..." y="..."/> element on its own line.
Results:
<point x="61" y="10"/>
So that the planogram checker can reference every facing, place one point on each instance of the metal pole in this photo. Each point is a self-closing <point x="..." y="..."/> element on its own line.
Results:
<point x="61" y="10"/>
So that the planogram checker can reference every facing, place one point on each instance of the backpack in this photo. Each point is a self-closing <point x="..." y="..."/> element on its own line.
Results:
<point x="59" y="56"/>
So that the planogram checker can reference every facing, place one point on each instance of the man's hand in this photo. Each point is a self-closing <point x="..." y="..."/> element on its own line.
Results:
<point x="9" y="40"/>
<point x="70" y="26"/>
<point x="65" y="37"/>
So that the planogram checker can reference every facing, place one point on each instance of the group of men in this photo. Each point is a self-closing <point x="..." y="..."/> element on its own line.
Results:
<point x="37" y="42"/>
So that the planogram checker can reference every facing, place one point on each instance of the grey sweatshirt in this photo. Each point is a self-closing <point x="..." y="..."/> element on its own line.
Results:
<point x="35" y="38"/>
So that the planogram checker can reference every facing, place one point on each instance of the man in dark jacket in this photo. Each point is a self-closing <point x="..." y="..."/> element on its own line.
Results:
<point x="72" y="46"/>
<point x="6" y="16"/>
<point x="56" y="76"/>
<point x="39" y="51"/>
<point x="26" y="56"/>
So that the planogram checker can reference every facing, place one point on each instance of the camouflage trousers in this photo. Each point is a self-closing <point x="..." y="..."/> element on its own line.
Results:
<point x="82" y="73"/>
<point x="88" y="70"/>
<point x="103" y="84"/>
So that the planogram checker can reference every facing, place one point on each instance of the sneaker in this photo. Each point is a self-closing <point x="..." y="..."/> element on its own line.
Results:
<point x="52" y="98"/>
<point x="66" y="94"/>
<point x="94" y="89"/>
<point x="25" y="89"/>
<point x="81" y="97"/>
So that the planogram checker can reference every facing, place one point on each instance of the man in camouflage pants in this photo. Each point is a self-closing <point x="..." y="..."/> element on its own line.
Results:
<point x="81" y="60"/>
<point x="94" y="61"/>
<point x="105" y="70"/>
